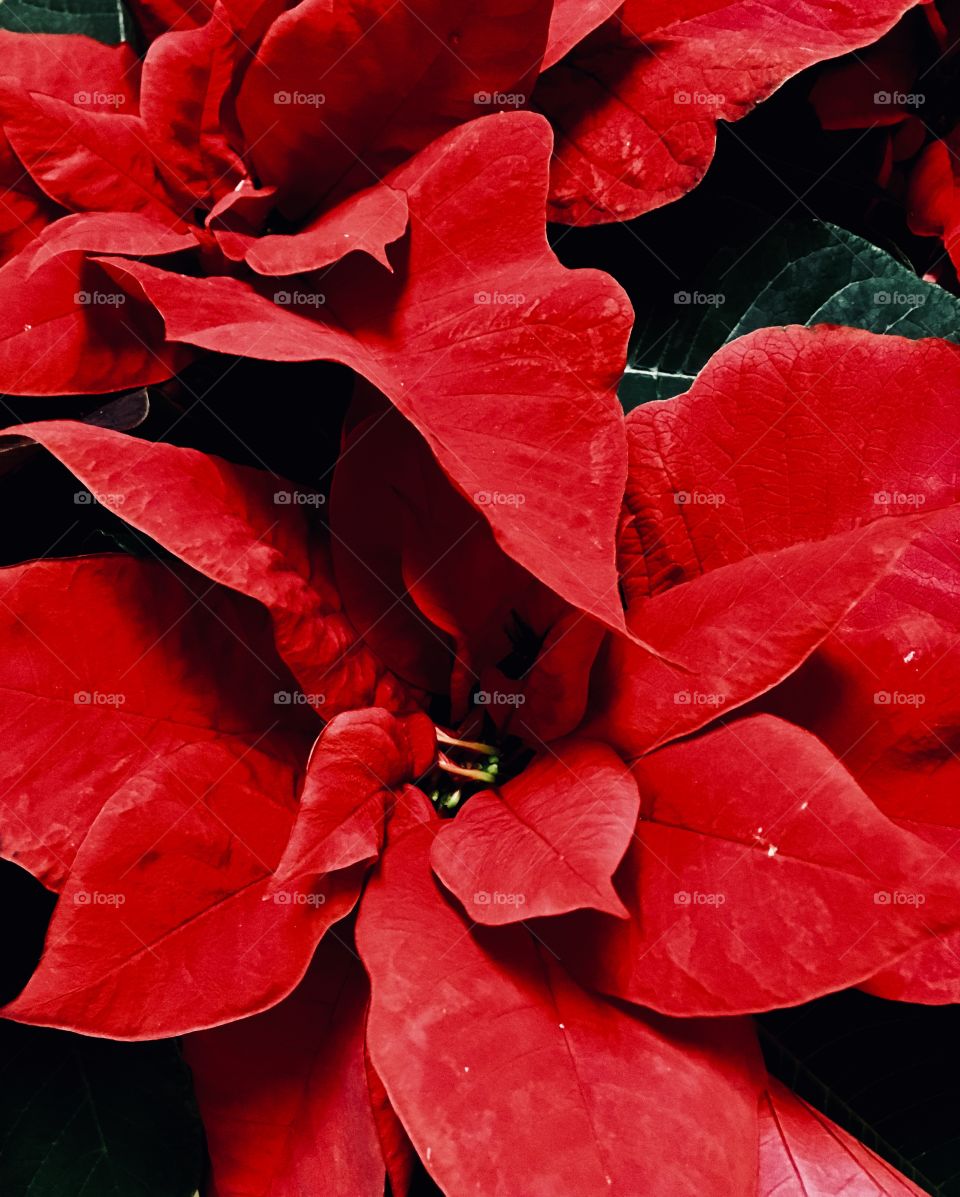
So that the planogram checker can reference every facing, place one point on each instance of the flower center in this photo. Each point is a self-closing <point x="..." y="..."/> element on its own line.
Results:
<point x="463" y="768"/>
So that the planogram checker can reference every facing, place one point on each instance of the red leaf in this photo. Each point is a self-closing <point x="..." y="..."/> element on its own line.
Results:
<point x="155" y="668"/>
<point x="739" y="630"/>
<point x="545" y="843"/>
<point x="454" y="363"/>
<point x="555" y="688"/>
<point x="67" y="328"/>
<point x="296" y="1074"/>
<point x="934" y="197"/>
<point x="186" y="76"/>
<point x="397" y="1149"/>
<point x="239" y="527"/>
<point x="338" y="95"/>
<point x="86" y="160"/>
<point x="882" y="693"/>
<point x="860" y="92"/>
<point x="570" y="23"/>
<point x="802" y="1153"/>
<point x="495" y="1061"/>
<point x="71" y="67"/>
<point x="133" y="233"/>
<point x="788" y="435"/>
<point x="364" y="223"/>
<point x="757" y="879"/>
<point x="636" y="104"/>
<point x="168" y="921"/>
<point x="191" y="901"/>
<point x="429" y="590"/>
<point x="361" y="758"/>
<point x="754" y="513"/>
<point x="95" y="77"/>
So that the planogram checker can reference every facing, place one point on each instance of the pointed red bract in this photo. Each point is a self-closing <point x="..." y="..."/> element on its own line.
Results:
<point x="109" y="166"/>
<point x="338" y="95"/>
<point x="570" y="23"/>
<point x="736" y="631"/>
<point x="480" y="332"/>
<point x="295" y="1073"/>
<point x="157" y="667"/>
<point x="881" y="692"/>
<point x="67" y="328"/>
<point x="169" y="921"/>
<point x="71" y="68"/>
<point x="364" y="223"/>
<point x="545" y="843"/>
<point x="756" y="514"/>
<point x="803" y="1153"/>
<point x="759" y="877"/>
<point x="788" y="435"/>
<point x="534" y="1076"/>
<point x="360" y="759"/>
<point x="133" y="233"/>
<point x="186" y="77"/>
<point x="240" y="527"/>
<point x="636" y="104"/>
<point x="193" y="900"/>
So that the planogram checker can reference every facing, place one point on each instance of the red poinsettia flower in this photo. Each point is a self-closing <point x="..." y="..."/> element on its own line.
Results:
<point x="639" y="832"/>
<point x="262" y="141"/>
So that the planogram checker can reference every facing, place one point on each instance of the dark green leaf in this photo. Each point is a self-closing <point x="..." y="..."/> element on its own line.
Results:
<point x="105" y="20"/>
<point x="812" y="273"/>
<point x="91" y="1118"/>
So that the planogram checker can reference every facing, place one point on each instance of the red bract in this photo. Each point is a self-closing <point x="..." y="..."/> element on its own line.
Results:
<point x="636" y="104"/>
<point x="467" y="319"/>
<point x="803" y="1152"/>
<point x="632" y="845"/>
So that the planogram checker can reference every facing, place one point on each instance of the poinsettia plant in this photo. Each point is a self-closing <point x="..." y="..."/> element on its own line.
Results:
<point x="457" y="809"/>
